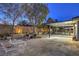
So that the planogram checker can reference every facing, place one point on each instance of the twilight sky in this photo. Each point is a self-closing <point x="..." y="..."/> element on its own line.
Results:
<point x="63" y="11"/>
<point x="60" y="11"/>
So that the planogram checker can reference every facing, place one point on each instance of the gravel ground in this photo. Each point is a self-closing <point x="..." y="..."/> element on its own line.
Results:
<point x="45" y="47"/>
<point x="51" y="48"/>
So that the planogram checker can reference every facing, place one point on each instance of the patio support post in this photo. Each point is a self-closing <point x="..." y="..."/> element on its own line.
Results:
<point x="77" y="31"/>
<point x="74" y="30"/>
<point x="49" y="31"/>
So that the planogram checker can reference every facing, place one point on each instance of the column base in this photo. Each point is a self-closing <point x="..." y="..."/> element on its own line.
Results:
<point x="75" y="39"/>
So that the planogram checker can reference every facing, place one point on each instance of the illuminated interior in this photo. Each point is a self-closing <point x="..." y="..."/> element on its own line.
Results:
<point x="18" y="30"/>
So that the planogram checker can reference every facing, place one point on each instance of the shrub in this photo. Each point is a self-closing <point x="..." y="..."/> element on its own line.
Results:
<point x="4" y="36"/>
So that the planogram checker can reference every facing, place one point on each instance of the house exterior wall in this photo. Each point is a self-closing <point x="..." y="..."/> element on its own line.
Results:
<point x="5" y="29"/>
<point x="21" y="29"/>
<point x="29" y="29"/>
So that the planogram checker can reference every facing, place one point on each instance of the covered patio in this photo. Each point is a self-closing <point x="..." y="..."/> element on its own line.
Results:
<point x="72" y="27"/>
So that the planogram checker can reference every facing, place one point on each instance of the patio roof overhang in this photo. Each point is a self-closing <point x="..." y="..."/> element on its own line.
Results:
<point x="61" y="24"/>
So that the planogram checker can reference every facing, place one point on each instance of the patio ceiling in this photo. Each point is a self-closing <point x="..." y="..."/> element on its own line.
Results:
<point x="66" y="23"/>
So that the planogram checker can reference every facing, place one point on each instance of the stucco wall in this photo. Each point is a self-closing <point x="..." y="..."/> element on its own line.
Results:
<point x="21" y="29"/>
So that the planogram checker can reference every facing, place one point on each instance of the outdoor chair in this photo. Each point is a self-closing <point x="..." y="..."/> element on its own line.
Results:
<point x="27" y="36"/>
<point x="32" y="35"/>
<point x="38" y="36"/>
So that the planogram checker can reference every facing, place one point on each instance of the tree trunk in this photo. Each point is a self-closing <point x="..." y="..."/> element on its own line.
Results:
<point x="34" y="28"/>
<point x="34" y="25"/>
<point x="13" y="29"/>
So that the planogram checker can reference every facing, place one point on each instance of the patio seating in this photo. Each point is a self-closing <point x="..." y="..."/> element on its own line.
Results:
<point x="38" y="36"/>
<point x="4" y="36"/>
<point x="32" y="35"/>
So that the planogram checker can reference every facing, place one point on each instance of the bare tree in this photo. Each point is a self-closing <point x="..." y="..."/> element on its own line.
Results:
<point x="36" y="13"/>
<point x="12" y="11"/>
